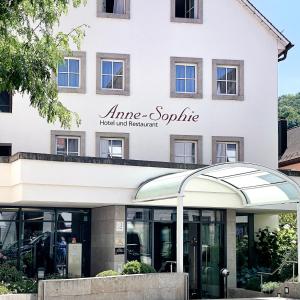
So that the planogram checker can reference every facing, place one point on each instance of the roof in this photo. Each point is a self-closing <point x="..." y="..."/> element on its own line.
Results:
<point x="292" y="153"/>
<point x="275" y="31"/>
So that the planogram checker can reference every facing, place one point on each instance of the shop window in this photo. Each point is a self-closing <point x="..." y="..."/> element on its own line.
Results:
<point x="5" y="149"/>
<point x="5" y="102"/>
<point x="71" y="73"/>
<point x="188" y="11"/>
<point x="112" y="145"/>
<point x="227" y="149"/>
<point x="186" y="149"/>
<point x="228" y="79"/>
<point x="113" y="8"/>
<point x="186" y="77"/>
<point x="113" y="74"/>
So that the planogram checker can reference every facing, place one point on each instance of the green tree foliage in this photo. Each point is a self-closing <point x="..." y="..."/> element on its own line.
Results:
<point x="288" y="219"/>
<point x="30" y="50"/>
<point x="289" y="108"/>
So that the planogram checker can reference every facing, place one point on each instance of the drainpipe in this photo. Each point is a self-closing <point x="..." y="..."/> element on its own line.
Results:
<point x="298" y="237"/>
<point x="179" y="240"/>
<point x="283" y="55"/>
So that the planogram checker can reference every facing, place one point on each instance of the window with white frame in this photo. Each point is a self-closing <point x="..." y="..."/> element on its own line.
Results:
<point x="112" y="74"/>
<point x="186" y="78"/>
<point x="68" y="145"/>
<point x="227" y="152"/>
<point x="69" y="73"/>
<point x="185" y="152"/>
<point x="114" y="6"/>
<point x="187" y="11"/>
<point x="227" y="80"/>
<point x="111" y="148"/>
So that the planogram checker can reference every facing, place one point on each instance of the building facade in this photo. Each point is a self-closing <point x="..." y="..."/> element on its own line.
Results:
<point x="160" y="87"/>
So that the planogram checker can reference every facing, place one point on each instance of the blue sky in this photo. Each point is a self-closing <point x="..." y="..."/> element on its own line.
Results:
<point x="285" y="15"/>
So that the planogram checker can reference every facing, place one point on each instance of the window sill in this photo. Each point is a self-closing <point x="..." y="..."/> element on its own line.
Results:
<point x="113" y="16"/>
<point x="228" y="97"/>
<point x="186" y="95"/>
<point x="187" y="20"/>
<point x="71" y="90"/>
<point x="113" y="92"/>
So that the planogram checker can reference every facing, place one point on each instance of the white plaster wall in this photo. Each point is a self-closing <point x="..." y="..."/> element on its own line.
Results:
<point x="229" y="31"/>
<point x="266" y="220"/>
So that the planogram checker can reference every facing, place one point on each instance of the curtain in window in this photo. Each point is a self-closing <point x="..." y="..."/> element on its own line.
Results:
<point x="220" y="150"/>
<point x="195" y="4"/>
<point x="104" y="148"/>
<point x="119" y="7"/>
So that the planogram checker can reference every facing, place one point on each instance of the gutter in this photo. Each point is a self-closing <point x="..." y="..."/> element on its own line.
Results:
<point x="283" y="55"/>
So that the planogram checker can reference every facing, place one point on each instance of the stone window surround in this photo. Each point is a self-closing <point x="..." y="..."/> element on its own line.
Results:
<point x="198" y="20"/>
<point x="113" y="135"/>
<point x="199" y="73"/>
<point x="81" y="55"/>
<point x="240" y="79"/>
<point x="113" y="56"/>
<point x="67" y="133"/>
<point x="103" y="14"/>
<point x="228" y="139"/>
<point x="192" y="138"/>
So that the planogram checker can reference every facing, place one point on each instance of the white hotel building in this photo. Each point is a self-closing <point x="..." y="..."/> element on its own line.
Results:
<point x="161" y="87"/>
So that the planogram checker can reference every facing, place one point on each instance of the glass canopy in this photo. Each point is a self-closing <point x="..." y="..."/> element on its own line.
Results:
<point x="254" y="184"/>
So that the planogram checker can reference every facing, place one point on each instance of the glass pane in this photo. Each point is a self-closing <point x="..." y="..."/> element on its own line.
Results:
<point x="118" y="68"/>
<point x="8" y="214"/>
<point x="179" y="148"/>
<point x="220" y="160"/>
<point x="64" y="217"/>
<point x="106" y="81"/>
<point x="221" y="148"/>
<point x="221" y="73"/>
<point x="73" y="80"/>
<point x="191" y="215"/>
<point x="190" y="72"/>
<point x="118" y="82"/>
<point x="190" y="86"/>
<point x="231" y="150"/>
<point x="61" y="145"/>
<point x="62" y="79"/>
<point x="208" y="215"/>
<point x="179" y="159"/>
<point x="74" y="66"/>
<point x="106" y="67"/>
<point x="139" y="242"/>
<point x="38" y="215"/>
<point x="104" y="148"/>
<point x="190" y="160"/>
<point x="221" y="87"/>
<point x="231" y="88"/>
<point x="63" y="67"/>
<point x="4" y="98"/>
<point x="73" y="145"/>
<point x="231" y="74"/>
<point x="180" y="71"/>
<point x="165" y="215"/>
<point x="180" y="86"/>
<point x="189" y="149"/>
<point x="116" y="148"/>
<point x="138" y="214"/>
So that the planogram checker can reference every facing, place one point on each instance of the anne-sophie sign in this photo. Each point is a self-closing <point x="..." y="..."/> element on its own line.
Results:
<point x="114" y="116"/>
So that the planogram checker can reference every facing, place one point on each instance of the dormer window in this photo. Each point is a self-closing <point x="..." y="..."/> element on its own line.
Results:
<point x="187" y="11"/>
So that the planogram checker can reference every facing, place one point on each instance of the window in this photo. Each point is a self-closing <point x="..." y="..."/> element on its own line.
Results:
<point x="227" y="149"/>
<point x="5" y="149"/>
<point x="5" y="102"/>
<point x="186" y="77"/>
<point x="113" y="74"/>
<point x="186" y="149"/>
<point x="187" y="11"/>
<point x="71" y="73"/>
<point x="228" y="80"/>
<point x="113" y="9"/>
<point x="112" y="145"/>
<point x="71" y="143"/>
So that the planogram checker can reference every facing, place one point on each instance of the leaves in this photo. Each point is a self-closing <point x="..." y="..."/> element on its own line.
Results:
<point x="30" y="51"/>
<point x="289" y="108"/>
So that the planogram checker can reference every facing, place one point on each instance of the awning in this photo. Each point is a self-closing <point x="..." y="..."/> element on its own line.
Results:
<point x="224" y="185"/>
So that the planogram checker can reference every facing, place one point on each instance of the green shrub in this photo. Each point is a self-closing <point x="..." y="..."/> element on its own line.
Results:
<point x="3" y="290"/>
<point x="10" y="274"/>
<point x="145" y="268"/>
<point x="107" y="273"/>
<point x="132" y="267"/>
<point x="24" y="286"/>
<point x="270" y="287"/>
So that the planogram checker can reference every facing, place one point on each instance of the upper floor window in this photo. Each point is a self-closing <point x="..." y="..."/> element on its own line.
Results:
<point x="227" y="149"/>
<point x="188" y="11"/>
<point x="112" y="145"/>
<point x="113" y="8"/>
<point x="228" y="79"/>
<point x="5" y="149"/>
<point x="186" y="77"/>
<point x="71" y="73"/>
<point x="5" y="102"/>
<point x="113" y="74"/>
<point x="71" y="143"/>
<point x="186" y="149"/>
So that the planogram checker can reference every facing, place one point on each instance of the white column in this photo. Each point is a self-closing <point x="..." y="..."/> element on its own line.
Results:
<point x="179" y="242"/>
<point x="298" y="237"/>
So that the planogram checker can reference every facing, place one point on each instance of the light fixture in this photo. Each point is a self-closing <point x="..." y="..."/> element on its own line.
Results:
<point x="286" y="290"/>
<point x="279" y="295"/>
<point x="40" y="273"/>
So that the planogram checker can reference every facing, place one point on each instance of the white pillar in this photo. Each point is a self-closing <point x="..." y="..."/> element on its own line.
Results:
<point x="179" y="242"/>
<point x="298" y="237"/>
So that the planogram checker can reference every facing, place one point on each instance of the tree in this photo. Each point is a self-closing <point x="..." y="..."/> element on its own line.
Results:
<point x="289" y="108"/>
<point x="31" y="49"/>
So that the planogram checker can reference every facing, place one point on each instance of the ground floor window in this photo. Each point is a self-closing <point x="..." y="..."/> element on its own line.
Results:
<point x="33" y="238"/>
<point x="151" y="238"/>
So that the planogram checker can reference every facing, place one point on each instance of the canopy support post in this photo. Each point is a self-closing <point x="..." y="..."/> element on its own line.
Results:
<point x="179" y="242"/>
<point x="298" y="237"/>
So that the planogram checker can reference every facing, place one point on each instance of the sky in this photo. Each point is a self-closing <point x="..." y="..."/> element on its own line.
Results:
<point x="285" y="15"/>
